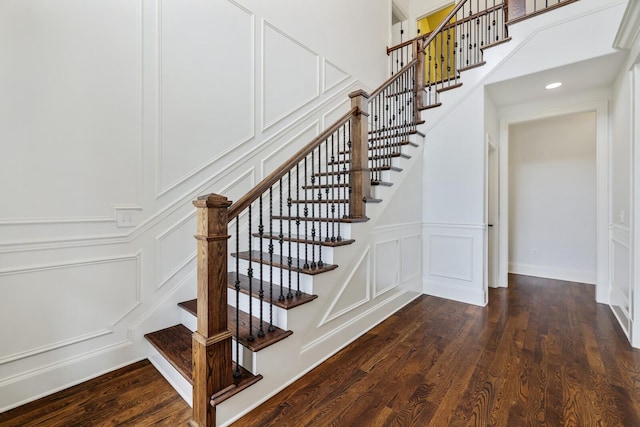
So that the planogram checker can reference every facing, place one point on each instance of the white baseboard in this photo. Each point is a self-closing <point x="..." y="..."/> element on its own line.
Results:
<point x="455" y="293"/>
<point x="581" y="276"/>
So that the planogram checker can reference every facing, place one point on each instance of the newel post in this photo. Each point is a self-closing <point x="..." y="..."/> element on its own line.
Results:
<point x="359" y="176"/>
<point x="419" y="54"/>
<point x="212" y="365"/>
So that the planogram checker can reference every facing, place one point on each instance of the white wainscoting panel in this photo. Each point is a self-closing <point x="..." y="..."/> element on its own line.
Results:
<point x="282" y="153"/>
<point x="354" y="292"/>
<point x="291" y="75"/>
<point x="54" y="305"/>
<point x="331" y="116"/>
<point x="174" y="245"/>
<point x="620" y="272"/>
<point x="386" y="267"/>
<point x="411" y="253"/>
<point x="212" y="111"/>
<point x="333" y="76"/>
<point x="454" y="269"/>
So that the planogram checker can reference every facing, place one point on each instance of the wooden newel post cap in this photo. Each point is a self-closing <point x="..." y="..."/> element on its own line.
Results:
<point x="359" y="92"/>
<point x="212" y="201"/>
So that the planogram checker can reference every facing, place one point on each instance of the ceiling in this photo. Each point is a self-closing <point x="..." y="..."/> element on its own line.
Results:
<point x="578" y="77"/>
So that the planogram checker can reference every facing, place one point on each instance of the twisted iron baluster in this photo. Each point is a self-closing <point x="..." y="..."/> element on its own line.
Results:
<point x="236" y="372"/>
<point x="289" y="258"/>
<point x="271" y="327"/>
<point x="306" y="216"/>
<point x="250" y="274"/>
<point x="281" y="240"/>
<point x="261" y="292"/>
<point x="298" y="293"/>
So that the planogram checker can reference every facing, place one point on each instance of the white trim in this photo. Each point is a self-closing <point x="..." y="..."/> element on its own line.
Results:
<point x="588" y="277"/>
<point x="629" y="27"/>
<point x="293" y="109"/>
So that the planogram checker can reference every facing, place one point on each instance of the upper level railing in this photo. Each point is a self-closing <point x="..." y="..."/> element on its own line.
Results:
<point x="457" y="44"/>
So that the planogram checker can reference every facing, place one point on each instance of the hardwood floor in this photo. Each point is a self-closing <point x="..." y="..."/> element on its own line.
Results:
<point x="542" y="353"/>
<point x="136" y="395"/>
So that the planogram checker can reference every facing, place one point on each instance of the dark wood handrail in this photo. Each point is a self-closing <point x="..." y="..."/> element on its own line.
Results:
<point x="245" y="201"/>
<point x="392" y="79"/>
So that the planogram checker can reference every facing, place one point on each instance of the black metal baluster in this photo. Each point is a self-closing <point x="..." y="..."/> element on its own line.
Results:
<point x="306" y="218"/>
<point x="326" y="190"/>
<point x="289" y="258"/>
<point x="281" y="241"/>
<point x="236" y="372"/>
<point x="271" y="326"/>
<point x="313" y="211"/>
<point x="347" y="177"/>
<point x="298" y="293"/>
<point x="320" y="264"/>
<point x="261" y="291"/>
<point x="340" y="184"/>
<point x="250" y="274"/>
<point x="335" y="171"/>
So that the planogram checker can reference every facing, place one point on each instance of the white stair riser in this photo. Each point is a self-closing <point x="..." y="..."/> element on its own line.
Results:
<point x="297" y="250"/>
<point x="279" y="314"/>
<point x="341" y="228"/>
<point x="306" y="281"/>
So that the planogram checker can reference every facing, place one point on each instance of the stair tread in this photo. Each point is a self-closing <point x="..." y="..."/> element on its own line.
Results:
<point x="382" y="146"/>
<point x="374" y="169"/>
<point x="287" y="304"/>
<point x="343" y="185"/>
<point x="175" y="344"/>
<point x="427" y="107"/>
<point x="395" y="134"/>
<point x="281" y="262"/>
<point x="300" y="239"/>
<point x="376" y="157"/>
<point x="321" y="219"/>
<point x="258" y="343"/>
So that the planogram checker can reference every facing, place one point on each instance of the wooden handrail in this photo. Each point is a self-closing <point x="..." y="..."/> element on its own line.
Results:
<point x="245" y="201"/>
<point x="392" y="79"/>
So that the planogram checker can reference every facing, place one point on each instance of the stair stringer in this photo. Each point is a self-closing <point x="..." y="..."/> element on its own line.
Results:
<point x="319" y="330"/>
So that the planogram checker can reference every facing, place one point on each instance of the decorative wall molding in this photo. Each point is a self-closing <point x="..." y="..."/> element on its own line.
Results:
<point x="108" y="327"/>
<point x="158" y="244"/>
<point x="364" y="261"/>
<point x="629" y="27"/>
<point x="332" y="75"/>
<point x="386" y="260"/>
<point x="290" y="146"/>
<point x="263" y="84"/>
<point x="406" y="253"/>
<point x="160" y="189"/>
<point x="464" y="243"/>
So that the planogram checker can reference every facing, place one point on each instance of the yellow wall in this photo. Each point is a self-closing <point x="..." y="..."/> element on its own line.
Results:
<point x="433" y="72"/>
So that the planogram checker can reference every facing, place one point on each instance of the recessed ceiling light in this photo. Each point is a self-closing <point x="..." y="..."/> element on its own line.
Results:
<point x="553" y="85"/>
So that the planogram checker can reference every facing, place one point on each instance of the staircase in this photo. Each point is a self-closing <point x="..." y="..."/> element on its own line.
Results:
<point x="254" y="285"/>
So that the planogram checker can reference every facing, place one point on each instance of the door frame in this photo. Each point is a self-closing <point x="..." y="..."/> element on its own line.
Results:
<point x="536" y="111"/>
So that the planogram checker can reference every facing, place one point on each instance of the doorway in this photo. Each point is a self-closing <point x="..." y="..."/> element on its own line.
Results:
<point x="599" y="108"/>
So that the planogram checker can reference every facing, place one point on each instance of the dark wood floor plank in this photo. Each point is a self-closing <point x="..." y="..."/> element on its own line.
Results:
<point x="136" y="395"/>
<point x="543" y="353"/>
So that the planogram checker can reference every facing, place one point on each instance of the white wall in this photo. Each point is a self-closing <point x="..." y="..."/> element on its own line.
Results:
<point x="552" y="197"/>
<point x="129" y="110"/>
<point x="624" y="234"/>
